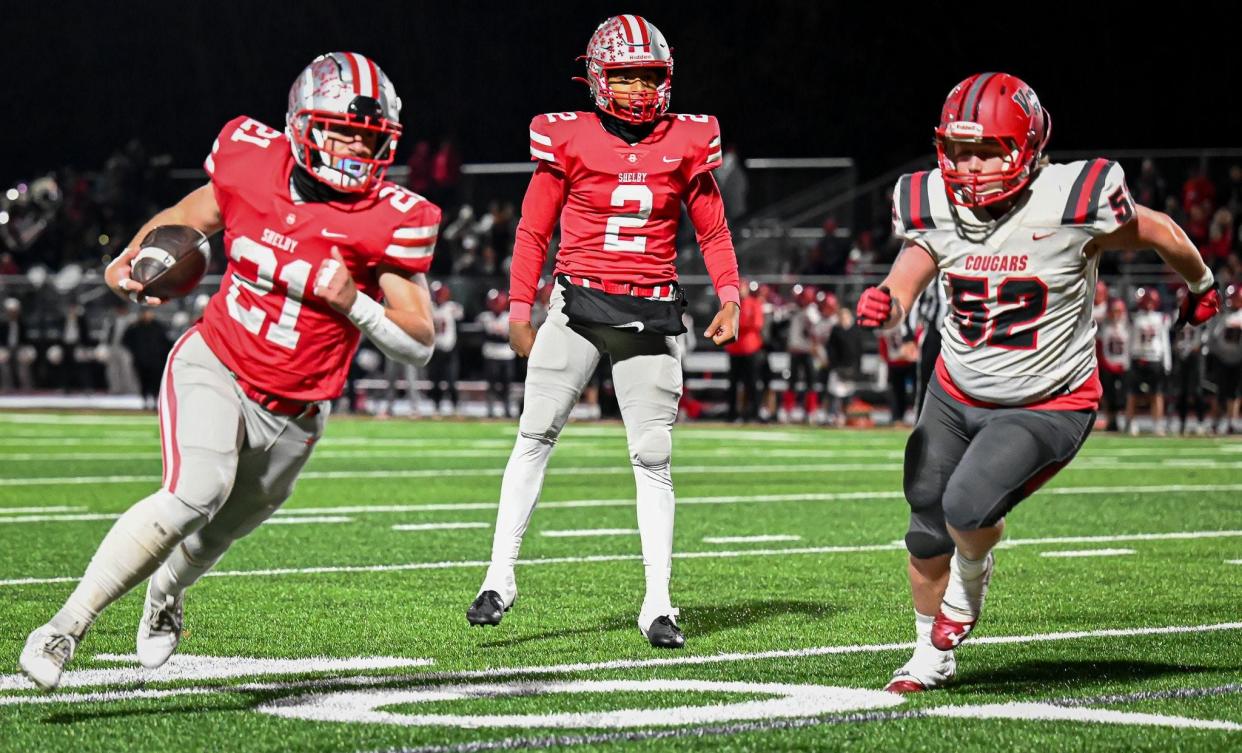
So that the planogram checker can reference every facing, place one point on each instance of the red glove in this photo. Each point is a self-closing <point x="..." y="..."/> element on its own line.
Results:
<point x="875" y="305"/>
<point x="1197" y="308"/>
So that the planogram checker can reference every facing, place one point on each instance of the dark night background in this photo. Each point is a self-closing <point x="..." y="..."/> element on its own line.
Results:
<point x="786" y="78"/>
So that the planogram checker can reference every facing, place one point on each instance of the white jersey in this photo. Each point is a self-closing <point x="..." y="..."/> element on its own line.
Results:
<point x="1149" y="338"/>
<point x="1190" y="342"/>
<point x="496" y="336"/>
<point x="802" y="329"/>
<point x="1019" y="328"/>
<point x="1226" y="338"/>
<point x="1114" y="336"/>
<point x="445" y="316"/>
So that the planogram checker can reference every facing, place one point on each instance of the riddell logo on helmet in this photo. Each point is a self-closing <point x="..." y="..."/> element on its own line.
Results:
<point x="964" y="129"/>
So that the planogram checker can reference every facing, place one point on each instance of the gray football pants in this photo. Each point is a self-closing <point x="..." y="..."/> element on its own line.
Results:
<point x="968" y="466"/>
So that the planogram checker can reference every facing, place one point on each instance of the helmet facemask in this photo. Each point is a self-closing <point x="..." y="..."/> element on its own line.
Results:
<point x="641" y="106"/>
<point x="629" y="42"/>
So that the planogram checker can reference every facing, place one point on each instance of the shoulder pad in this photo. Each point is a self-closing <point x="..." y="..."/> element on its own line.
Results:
<point x="240" y="138"/>
<point x="548" y="135"/>
<point x="920" y="205"/>
<point x="703" y="137"/>
<point x="1095" y="195"/>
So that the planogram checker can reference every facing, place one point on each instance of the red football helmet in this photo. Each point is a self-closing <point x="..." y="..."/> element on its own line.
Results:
<point x="1101" y="292"/>
<point x="1148" y="299"/>
<point x="440" y="292"/>
<point x="497" y="300"/>
<point x="629" y="41"/>
<point x="992" y="108"/>
<point x="804" y="295"/>
<point x="1117" y="309"/>
<point x="828" y="304"/>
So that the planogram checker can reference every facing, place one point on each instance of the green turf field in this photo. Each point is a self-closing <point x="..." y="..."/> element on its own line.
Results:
<point x="332" y="629"/>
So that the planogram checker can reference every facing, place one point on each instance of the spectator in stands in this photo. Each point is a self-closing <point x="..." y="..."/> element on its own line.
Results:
<point x="734" y="185"/>
<point x="1220" y="239"/>
<point x="497" y="355"/>
<point x="845" y="350"/>
<point x="801" y="346"/>
<point x="1233" y="190"/>
<point x="446" y="176"/>
<point x="1150" y="359"/>
<point x="418" y="179"/>
<point x="1189" y="351"/>
<point x="445" y="364"/>
<point x="1149" y="188"/>
<point x="1113" y="349"/>
<point x="148" y="343"/>
<point x="901" y="357"/>
<point x="1225" y="345"/>
<point x="830" y="254"/>
<point x="1199" y="190"/>
<point x="862" y="254"/>
<point x="8" y="265"/>
<point x="744" y="358"/>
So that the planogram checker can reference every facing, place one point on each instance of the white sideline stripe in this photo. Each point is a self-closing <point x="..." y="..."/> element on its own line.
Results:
<point x="188" y="667"/>
<point x="590" y="532"/>
<point x="309" y="519"/>
<point x="1049" y="712"/>
<point x="748" y="539"/>
<point x="1088" y="553"/>
<point x="614" y="470"/>
<point x="1069" y="491"/>
<point x="784" y="552"/>
<point x="53" y="508"/>
<point x="438" y="526"/>
<point x="59" y="419"/>
<point x="58" y="518"/>
<point x="1233" y="562"/>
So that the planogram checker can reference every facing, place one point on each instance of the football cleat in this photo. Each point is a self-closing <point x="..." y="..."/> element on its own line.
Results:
<point x="662" y="632"/>
<point x="44" y="658"/>
<point x="923" y="672"/>
<point x="487" y="609"/>
<point x="951" y="628"/>
<point x="159" y="632"/>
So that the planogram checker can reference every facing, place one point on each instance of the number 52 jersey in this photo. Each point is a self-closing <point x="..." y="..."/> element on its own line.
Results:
<point x="265" y="323"/>
<point x="1019" y="329"/>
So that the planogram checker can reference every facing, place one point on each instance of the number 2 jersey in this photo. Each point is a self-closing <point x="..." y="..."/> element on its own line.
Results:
<point x="1019" y="329"/>
<point x="265" y="323"/>
<point x="619" y="204"/>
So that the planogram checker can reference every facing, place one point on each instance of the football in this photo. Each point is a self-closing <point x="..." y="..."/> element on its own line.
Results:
<point x="171" y="261"/>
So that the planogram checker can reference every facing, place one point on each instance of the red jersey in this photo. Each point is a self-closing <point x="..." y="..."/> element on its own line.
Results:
<point x="264" y="323"/>
<point x="619" y="204"/>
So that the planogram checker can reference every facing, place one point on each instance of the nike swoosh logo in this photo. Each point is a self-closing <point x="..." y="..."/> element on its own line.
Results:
<point x="330" y="234"/>
<point x="675" y="159"/>
<point x="638" y="326"/>
<point x="1038" y="237"/>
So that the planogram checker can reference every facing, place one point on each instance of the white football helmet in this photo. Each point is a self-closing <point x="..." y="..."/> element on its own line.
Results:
<point x="343" y="92"/>
<point x="629" y="41"/>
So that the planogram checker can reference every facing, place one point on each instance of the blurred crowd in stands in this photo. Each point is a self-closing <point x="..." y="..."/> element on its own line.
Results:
<point x="799" y="357"/>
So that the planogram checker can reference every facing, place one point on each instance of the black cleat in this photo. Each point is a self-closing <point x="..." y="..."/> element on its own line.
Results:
<point x="487" y="609"/>
<point x="664" y="633"/>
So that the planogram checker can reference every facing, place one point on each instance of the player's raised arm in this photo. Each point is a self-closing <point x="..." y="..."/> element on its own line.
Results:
<point x="885" y="305"/>
<point x="198" y="209"/>
<point x="1149" y="228"/>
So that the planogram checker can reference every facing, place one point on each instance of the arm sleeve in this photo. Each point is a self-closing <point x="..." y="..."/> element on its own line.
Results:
<point x="706" y="209"/>
<point x="540" y="210"/>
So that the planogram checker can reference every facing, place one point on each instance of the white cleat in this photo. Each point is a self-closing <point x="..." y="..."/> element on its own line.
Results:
<point x="926" y="670"/>
<point x="44" y="658"/>
<point x="159" y="632"/>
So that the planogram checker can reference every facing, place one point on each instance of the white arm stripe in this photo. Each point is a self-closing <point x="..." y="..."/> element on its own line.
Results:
<point x="713" y="143"/>
<point x="415" y="233"/>
<point x="542" y="155"/>
<point x="539" y="138"/>
<point x="712" y="158"/>
<point x="409" y="252"/>
<point x="210" y="164"/>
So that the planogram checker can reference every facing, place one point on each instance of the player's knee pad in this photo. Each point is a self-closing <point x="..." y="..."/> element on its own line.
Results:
<point x="204" y="480"/>
<point x="653" y="447"/>
<point x="969" y="508"/>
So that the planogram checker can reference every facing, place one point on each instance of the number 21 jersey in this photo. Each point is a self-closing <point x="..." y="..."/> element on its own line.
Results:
<point x="1019" y="328"/>
<point x="265" y="323"/>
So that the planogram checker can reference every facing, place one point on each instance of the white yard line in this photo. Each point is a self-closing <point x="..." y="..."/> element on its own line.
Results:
<point x="1088" y="553"/>
<point x="590" y="532"/>
<point x="309" y="519"/>
<point x="749" y="539"/>
<point x="1053" y="713"/>
<point x="70" y="518"/>
<point x="51" y="509"/>
<point x="783" y="552"/>
<point x="439" y="526"/>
